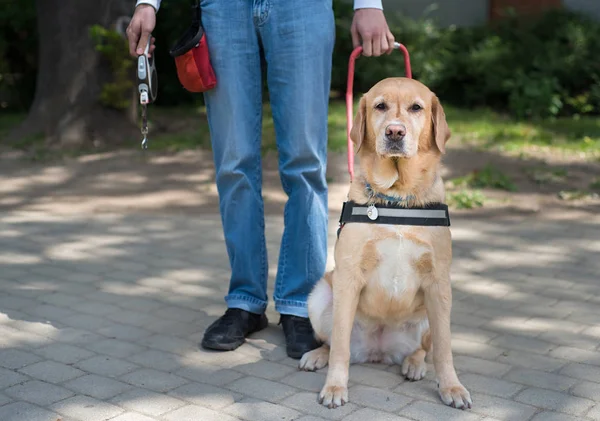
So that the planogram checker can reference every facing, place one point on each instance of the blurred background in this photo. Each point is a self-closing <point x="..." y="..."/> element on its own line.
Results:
<point x="520" y="81"/>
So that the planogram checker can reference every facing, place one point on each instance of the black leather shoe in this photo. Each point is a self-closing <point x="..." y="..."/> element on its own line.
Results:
<point x="230" y="330"/>
<point x="299" y="335"/>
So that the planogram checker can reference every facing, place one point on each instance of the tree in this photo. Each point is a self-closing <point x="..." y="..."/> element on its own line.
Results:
<point x="71" y="75"/>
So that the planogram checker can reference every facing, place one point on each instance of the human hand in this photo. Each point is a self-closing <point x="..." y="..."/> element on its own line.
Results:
<point x="138" y="32"/>
<point x="370" y="27"/>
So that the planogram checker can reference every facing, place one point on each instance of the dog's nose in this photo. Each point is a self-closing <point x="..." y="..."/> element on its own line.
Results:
<point x="395" y="131"/>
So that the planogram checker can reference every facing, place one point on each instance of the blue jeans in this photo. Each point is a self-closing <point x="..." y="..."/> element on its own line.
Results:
<point x="297" y="38"/>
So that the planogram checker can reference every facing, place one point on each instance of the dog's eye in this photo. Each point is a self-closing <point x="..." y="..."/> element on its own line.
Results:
<point x="381" y="106"/>
<point x="416" y="107"/>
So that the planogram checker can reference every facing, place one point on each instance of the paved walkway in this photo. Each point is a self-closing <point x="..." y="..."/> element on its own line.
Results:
<point x="101" y="313"/>
<point x="100" y="319"/>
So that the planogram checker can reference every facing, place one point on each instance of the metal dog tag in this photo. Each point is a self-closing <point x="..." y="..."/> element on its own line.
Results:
<point x="372" y="212"/>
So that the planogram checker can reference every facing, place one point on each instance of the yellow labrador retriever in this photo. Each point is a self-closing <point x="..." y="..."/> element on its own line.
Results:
<point x="389" y="297"/>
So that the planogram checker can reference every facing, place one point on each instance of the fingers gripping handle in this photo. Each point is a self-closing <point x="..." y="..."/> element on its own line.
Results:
<point x="349" y="97"/>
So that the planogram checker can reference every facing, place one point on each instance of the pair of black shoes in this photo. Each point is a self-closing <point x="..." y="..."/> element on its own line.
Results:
<point x="230" y="331"/>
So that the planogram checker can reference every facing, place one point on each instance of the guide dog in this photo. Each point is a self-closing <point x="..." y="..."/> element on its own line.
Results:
<point x="389" y="297"/>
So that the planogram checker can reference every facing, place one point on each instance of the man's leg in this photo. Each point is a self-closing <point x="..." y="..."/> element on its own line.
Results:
<point x="234" y="110"/>
<point x="298" y="38"/>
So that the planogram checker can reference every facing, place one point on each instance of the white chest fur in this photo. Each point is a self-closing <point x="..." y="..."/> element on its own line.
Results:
<point x="396" y="271"/>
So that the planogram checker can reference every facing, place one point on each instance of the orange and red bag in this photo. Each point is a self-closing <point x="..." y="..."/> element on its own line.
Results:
<point x="192" y="58"/>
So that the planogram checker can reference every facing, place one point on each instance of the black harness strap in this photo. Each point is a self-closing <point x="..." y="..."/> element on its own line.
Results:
<point x="432" y="215"/>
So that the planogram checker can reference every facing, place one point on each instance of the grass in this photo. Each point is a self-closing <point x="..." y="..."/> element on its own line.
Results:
<point x="547" y="175"/>
<point x="488" y="177"/>
<point x="466" y="199"/>
<point x="489" y="129"/>
<point x="481" y="127"/>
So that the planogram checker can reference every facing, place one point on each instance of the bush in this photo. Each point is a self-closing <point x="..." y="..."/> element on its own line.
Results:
<point x="535" y="67"/>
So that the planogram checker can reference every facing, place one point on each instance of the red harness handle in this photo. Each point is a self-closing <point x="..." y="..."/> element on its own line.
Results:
<point x="349" y="101"/>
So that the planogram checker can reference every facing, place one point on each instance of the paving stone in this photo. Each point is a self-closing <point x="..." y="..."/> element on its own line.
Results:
<point x="475" y="349"/>
<point x="541" y="379"/>
<point x="4" y="399"/>
<point x="216" y="376"/>
<point x="159" y="360"/>
<point x="267" y="370"/>
<point x="479" y="366"/>
<point x="502" y="409"/>
<point x="76" y="336"/>
<point x="195" y="413"/>
<point x="522" y="343"/>
<point x="582" y="371"/>
<point x="577" y="340"/>
<point x="553" y="416"/>
<point x="64" y="353"/>
<point x="13" y="358"/>
<point x="310" y="381"/>
<point x="97" y="386"/>
<point x="147" y="402"/>
<point x="588" y="390"/>
<point x="254" y="410"/>
<point x="107" y="366"/>
<point x="377" y="398"/>
<point x="205" y="395"/>
<point x="159" y="381"/>
<point x="115" y="348"/>
<point x="427" y="411"/>
<point x="490" y="385"/>
<point x="132" y="416"/>
<point x="180" y="346"/>
<point x="85" y="408"/>
<point x="306" y="402"/>
<point x="425" y="389"/>
<point x="261" y="389"/>
<point x="124" y="332"/>
<point x="310" y="418"/>
<point x="51" y="371"/>
<point x="37" y="392"/>
<point x="373" y="414"/>
<point x="371" y="377"/>
<point x="531" y="361"/>
<point x="554" y="401"/>
<point x="21" y="411"/>
<point x="594" y="413"/>
<point x="578" y="355"/>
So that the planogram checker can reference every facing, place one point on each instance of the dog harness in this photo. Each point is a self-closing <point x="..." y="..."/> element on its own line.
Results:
<point x="432" y="215"/>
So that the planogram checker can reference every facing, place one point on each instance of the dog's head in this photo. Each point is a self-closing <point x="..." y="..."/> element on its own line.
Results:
<point x="400" y="117"/>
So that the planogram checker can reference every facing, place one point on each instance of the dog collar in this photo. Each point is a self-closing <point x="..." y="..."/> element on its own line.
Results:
<point x="432" y="215"/>
<point x="372" y="194"/>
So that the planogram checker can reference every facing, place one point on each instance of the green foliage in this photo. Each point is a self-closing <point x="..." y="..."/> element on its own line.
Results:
<point x="534" y="67"/>
<point x="529" y="67"/>
<point x="488" y="177"/>
<point x="114" y="48"/>
<point x="547" y="175"/>
<point x="466" y="199"/>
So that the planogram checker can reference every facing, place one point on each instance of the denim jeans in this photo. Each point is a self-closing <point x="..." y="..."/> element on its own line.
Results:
<point x="297" y="38"/>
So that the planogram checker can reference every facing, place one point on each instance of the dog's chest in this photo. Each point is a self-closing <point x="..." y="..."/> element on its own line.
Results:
<point x="396" y="271"/>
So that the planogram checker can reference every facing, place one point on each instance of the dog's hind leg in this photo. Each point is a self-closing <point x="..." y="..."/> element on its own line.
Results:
<point x="315" y="359"/>
<point x="414" y="366"/>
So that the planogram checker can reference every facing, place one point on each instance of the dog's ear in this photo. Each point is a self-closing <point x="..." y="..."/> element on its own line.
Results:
<point x="441" y="131"/>
<point x="359" y="126"/>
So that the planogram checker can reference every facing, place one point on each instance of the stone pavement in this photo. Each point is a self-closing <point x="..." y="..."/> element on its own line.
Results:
<point x="100" y="316"/>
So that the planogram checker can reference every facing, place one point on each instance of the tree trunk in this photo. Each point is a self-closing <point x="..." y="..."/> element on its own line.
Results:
<point x="66" y="108"/>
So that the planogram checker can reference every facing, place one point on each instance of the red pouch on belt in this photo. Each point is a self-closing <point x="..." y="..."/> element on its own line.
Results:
<point x="192" y="58"/>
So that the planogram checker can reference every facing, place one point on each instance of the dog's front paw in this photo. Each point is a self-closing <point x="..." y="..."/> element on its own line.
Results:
<point x="333" y="396"/>
<point x="456" y="396"/>
<point x="315" y="359"/>
<point x="414" y="368"/>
